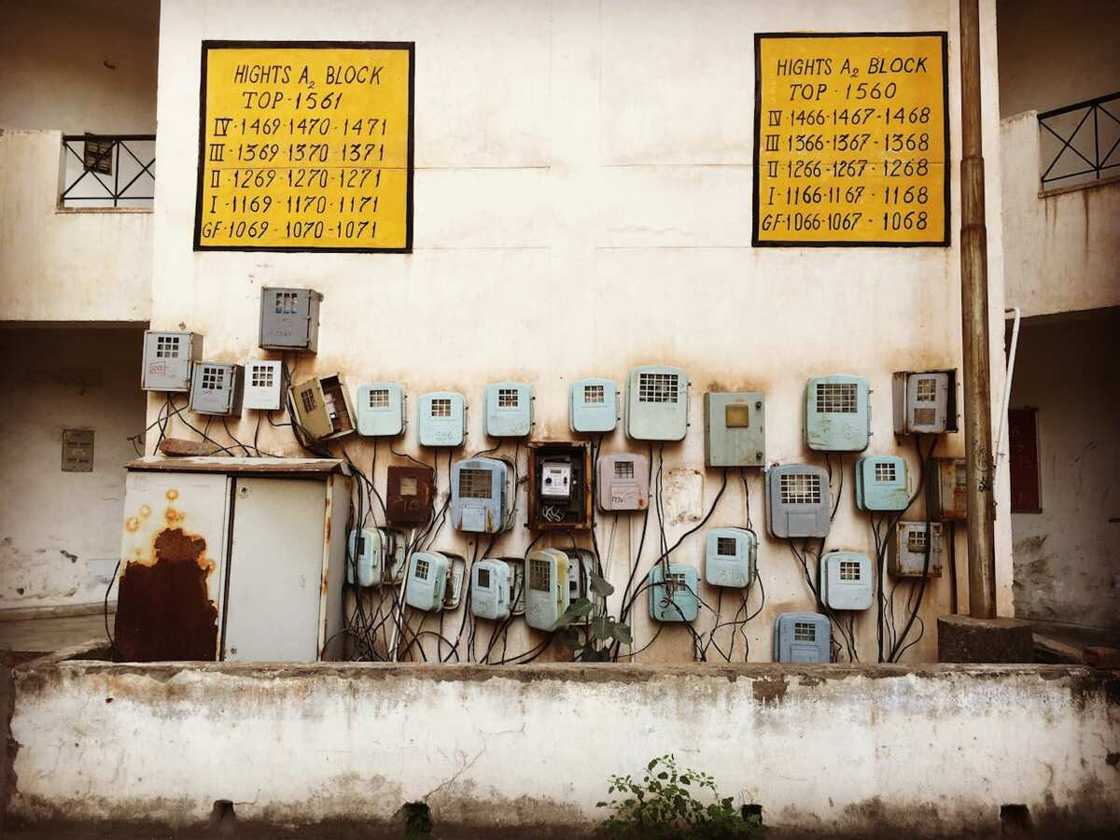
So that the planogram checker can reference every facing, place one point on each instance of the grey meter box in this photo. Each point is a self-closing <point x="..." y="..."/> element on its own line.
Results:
<point x="802" y="637"/>
<point x="910" y="546"/>
<point x="168" y="357"/>
<point x="734" y="430"/>
<point x="924" y="402"/>
<point x="289" y="319"/>
<point x="799" y="501"/>
<point x="216" y="388"/>
<point x="845" y="581"/>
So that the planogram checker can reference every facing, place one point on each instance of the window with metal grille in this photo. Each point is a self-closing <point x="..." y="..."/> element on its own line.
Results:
<point x="307" y="397"/>
<point x="727" y="546"/>
<point x="475" y="484"/>
<point x="422" y="568"/>
<point x="441" y="407"/>
<point x="884" y="471"/>
<point x="508" y="398"/>
<point x="540" y="575"/>
<point x="261" y="376"/>
<point x="623" y="469"/>
<point x="213" y="378"/>
<point x="800" y="489"/>
<point x="927" y="389"/>
<point x="803" y="631"/>
<point x="167" y="347"/>
<point x="657" y="387"/>
<point x="836" y="397"/>
<point x="849" y="570"/>
<point x="286" y="303"/>
<point x="916" y="542"/>
<point x="594" y="394"/>
<point x="378" y="397"/>
<point x="483" y="578"/>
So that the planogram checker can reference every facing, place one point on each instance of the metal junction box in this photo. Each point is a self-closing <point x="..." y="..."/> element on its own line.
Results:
<point x="443" y="419"/>
<point x="509" y="409"/>
<point x="908" y="550"/>
<point x="845" y="581"/>
<point x="802" y="637"/>
<point x="734" y="429"/>
<point x="882" y="483"/>
<point x="657" y="403"/>
<point x="428" y="573"/>
<point x="216" y="389"/>
<point x="264" y="385"/>
<point x="925" y="402"/>
<point x="168" y="358"/>
<point x="481" y="494"/>
<point x="729" y="557"/>
<point x="289" y="319"/>
<point x="490" y="589"/>
<point x="408" y="494"/>
<point x="581" y="564"/>
<point x="673" y="596"/>
<point x="593" y="406"/>
<point x="623" y="482"/>
<point x="375" y="556"/>
<point x="517" y="584"/>
<point x="321" y="407"/>
<point x="837" y="413"/>
<point x="381" y="409"/>
<point x="560" y="485"/>
<point x="949" y="490"/>
<point x="799" y="501"/>
<point x="546" y="593"/>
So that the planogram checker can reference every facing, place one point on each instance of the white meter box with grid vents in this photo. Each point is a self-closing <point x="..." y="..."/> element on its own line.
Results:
<point x="442" y="419"/>
<point x="657" y="403"/>
<point x="381" y="409"/>
<point x="216" y="388"/>
<point x="546" y="588"/>
<point x="509" y="409"/>
<point x="289" y="319"/>
<point x="428" y="572"/>
<point x="480" y="495"/>
<point x="623" y="482"/>
<point x="729" y="557"/>
<point x="799" y="501"/>
<point x="593" y="405"/>
<point x="837" y="413"/>
<point x="264" y="385"/>
<point x="845" y="581"/>
<point x="882" y="483"/>
<point x="168" y="357"/>
<point x="802" y="637"/>
<point x="924" y="403"/>
<point x="673" y="594"/>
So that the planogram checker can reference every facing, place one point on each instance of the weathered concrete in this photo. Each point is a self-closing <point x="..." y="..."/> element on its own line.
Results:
<point x="961" y="638"/>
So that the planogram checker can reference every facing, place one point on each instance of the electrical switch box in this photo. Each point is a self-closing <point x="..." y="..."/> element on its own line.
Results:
<point x="845" y="581"/>
<point x="490" y="590"/>
<point x="560" y="485"/>
<point x="799" y="501"/>
<point x="949" y="490"/>
<point x="517" y="584"/>
<point x="546" y="594"/>
<point x="729" y="557"/>
<point x="911" y="546"/>
<point x="481" y="495"/>
<point x="427" y="581"/>
<point x="289" y="319"/>
<point x="882" y="483"/>
<point x="837" y="413"/>
<point x="924" y="402"/>
<point x="509" y="409"/>
<point x="443" y="419"/>
<point x="581" y="565"/>
<point x="408" y="495"/>
<point x="623" y="482"/>
<point x="673" y="593"/>
<point x="456" y="577"/>
<point x="802" y="637"/>
<point x="593" y="405"/>
<point x="321" y="408"/>
<point x="168" y="359"/>
<point x="264" y="385"/>
<point x="657" y="403"/>
<point x="381" y="409"/>
<point x="734" y="430"/>
<point x="216" y="389"/>
<point x="395" y="562"/>
<point x="364" y="557"/>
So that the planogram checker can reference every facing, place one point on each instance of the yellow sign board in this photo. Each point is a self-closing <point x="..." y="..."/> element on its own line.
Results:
<point x="851" y="139"/>
<point x="305" y="146"/>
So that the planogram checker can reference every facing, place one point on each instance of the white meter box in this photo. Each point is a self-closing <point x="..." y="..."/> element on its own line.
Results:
<point x="168" y="358"/>
<point x="264" y="385"/>
<point x="509" y="409"/>
<point x="837" y="413"/>
<point x="593" y="405"/>
<point x="657" y="403"/>
<point x="216" y="389"/>
<point x="442" y="419"/>
<point x="381" y="409"/>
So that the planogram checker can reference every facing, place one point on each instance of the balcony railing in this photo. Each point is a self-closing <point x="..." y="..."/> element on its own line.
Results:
<point x="1078" y="143"/>
<point x="108" y="170"/>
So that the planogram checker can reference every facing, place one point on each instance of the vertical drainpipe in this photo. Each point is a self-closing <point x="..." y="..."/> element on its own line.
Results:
<point x="974" y="328"/>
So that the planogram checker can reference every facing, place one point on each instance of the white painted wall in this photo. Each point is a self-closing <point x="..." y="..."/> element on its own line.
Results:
<point x="60" y="531"/>
<point x="585" y="171"/>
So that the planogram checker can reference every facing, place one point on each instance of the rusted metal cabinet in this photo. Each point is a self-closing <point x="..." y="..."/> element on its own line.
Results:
<point x="232" y="558"/>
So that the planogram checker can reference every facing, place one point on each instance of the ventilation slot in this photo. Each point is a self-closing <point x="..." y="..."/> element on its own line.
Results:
<point x="379" y="398"/>
<point x="286" y="303"/>
<point x="849" y="570"/>
<point x="801" y="489"/>
<point x="916" y="542"/>
<point x="539" y="575"/>
<point x="885" y="471"/>
<point x="803" y="631"/>
<point x="422" y="569"/>
<point x="925" y="416"/>
<point x="307" y="397"/>
<point x="441" y="407"/>
<point x="167" y="347"/>
<point x="594" y="394"/>
<point x="508" y="398"/>
<point x="475" y="484"/>
<point x="213" y="378"/>
<point x="657" y="387"/>
<point x="260" y="376"/>
<point x="927" y="390"/>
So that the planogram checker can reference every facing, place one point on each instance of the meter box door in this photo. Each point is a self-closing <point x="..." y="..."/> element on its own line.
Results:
<point x="264" y="385"/>
<point x="427" y="581"/>
<point x="911" y="546"/>
<point x="837" y="413"/>
<point x="289" y="319"/>
<point x="509" y="409"/>
<point x="949" y="490"/>
<point x="442" y="419"/>
<point x="321" y="407"/>
<point x="480" y="495"/>
<point x="924" y="402"/>
<point x="799" y="501"/>
<point x="408" y="495"/>
<point x="546" y="592"/>
<point x="845" y="581"/>
<point x="673" y="594"/>
<point x="882" y="483"/>
<point x="168" y="360"/>
<point x="802" y="637"/>
<point x="623" y="482"/>
<point x="216" y="389"/>
<point x="729" y="557"/>
<point x="490" y="590"/>
<point x="734" y="430"/>
<point x="365" y="557"/>
<point x="560" y="485"/>
<point x="381" y="409"/>
<point x="657" y="403"/>
<point x="593" y="406"/>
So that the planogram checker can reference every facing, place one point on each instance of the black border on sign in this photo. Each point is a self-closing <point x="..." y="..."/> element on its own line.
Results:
<point x="788" y="243"/>
<point x="409" y="46"/>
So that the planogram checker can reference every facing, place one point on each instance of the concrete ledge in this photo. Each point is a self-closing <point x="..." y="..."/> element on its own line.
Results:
<point x="961" y="638"/>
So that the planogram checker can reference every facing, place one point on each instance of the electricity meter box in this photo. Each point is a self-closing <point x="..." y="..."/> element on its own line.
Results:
<point x="509" y="409"/>
<point x="882" y="483"/>
<point x="481" y="495"/>
<point x="168" y="359"/>
<point x="949" y="490"/>
<point x="264" y="385"/>
<point x="734" y="431"/>
<point x="321" y="407"/>
<point x="673" y="595"/>
<point x="560" y="485"/>
<point x="730" y="555"/>
<point x="799" y="501"/>
<point x="490" y="589"/>
<point x="837" y="413"/>
<point x="657" y="403"/>
<point x="381" y="409"/>
<point x="376" y="556"/>
<point x="623" y="482"/>
<point x="845" y="581"/>
<point x="216" y="389"/>
<point x="907" y="557"/>
<point x="581" y="565"/>
<point x="289" y="319"/>
<point x="408" y="495"/>
<point x="443" y="419"/>
<point x="802" y="637"/>
<point x="593" y="405"/>
<point x="517" y="584"/>
<point x="546" y="592"/>
<point x="428" y="573"/>
<point x="924" y="402"/>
